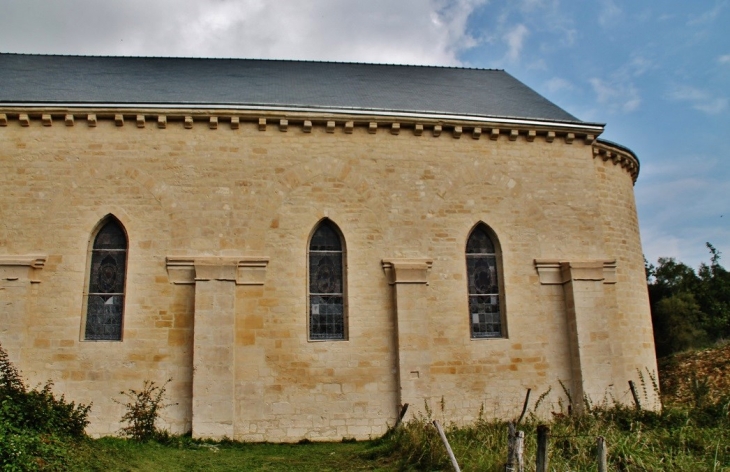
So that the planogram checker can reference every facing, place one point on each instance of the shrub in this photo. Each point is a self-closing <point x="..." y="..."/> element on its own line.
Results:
<point x="34" y="424"/>
<point x="143" y="409"/>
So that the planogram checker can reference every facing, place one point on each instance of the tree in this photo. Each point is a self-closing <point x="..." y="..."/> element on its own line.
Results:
<point x="689" y="309"/>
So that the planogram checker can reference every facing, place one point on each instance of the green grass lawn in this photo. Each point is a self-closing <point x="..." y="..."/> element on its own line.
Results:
<point x="183" y="454"/>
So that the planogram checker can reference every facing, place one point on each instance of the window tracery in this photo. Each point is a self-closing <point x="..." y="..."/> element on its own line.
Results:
<point x="107" y="274"/>
<point x="326" y="284"/>
<point x="484" y="289"/>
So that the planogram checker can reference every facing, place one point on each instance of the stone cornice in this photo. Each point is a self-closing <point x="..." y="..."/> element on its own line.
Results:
<point x="618" y="155"/>
<point x="21" y="267"/>
<point x="559" y="272"/>
<point x="341" y="121"/>
<point x="407" y="271"/>
<point x="183" y="270"/>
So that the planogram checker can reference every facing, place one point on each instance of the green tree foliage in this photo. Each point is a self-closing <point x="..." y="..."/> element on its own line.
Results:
<point x="689" y="309"/>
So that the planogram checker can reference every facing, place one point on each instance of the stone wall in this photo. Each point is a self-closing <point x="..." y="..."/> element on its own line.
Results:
<point x="218" y="219"/>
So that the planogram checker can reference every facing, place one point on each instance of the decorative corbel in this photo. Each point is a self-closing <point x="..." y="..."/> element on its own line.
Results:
<point x="550" y="137"/>
<point x="91" y="120"/>
<point x="330" y="128"/>
<point x="213" y="122"/>
<point x="476" y="133"/>
<point x="162" y="121"/>
<point x="69" y="119"/>
<point x="283" y="125"/>
<point x="262" y="124"/>
<point x="24" y="120"/>
<point x="188" y="124"/>
<point x="46" y="119"/>
<point x="418" y="129"/>
<point x="372" y="127"/>
<point x="349" y="127"/>
<point x="437" y="131"/>
<point x="513" y="134"/>
<point x="395" y="129"/>
<point x="3" y="119"/>
<point x="494" y="134"/>
<point x="140" y="121"/>
<point x="531" y="134"/>
<point x="307" y="126"/>
<point x="235" y="122"/>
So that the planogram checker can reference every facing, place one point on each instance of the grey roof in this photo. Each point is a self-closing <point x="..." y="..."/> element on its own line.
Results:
<point x="93" y="80"/>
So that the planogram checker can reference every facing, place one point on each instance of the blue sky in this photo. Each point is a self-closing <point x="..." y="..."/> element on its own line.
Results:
<point x="657" y="73"/>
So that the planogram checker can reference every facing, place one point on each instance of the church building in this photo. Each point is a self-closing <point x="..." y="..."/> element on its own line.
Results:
<point x="305" y="247"/>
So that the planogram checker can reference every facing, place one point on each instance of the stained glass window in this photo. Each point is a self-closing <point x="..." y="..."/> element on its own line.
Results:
<point x="485" y="316"/>
<point x="105" y="297"/>
<point x="326" y="284"/>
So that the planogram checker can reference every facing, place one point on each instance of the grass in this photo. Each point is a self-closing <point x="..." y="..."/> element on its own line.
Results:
<point x="691" y="433"/>
<point x="184" y="454"/>
<point x="637" y="441"/>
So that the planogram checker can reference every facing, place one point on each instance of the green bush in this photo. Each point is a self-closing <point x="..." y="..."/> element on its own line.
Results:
<point x="143" y="410"/>
<point x="34" y="424"/>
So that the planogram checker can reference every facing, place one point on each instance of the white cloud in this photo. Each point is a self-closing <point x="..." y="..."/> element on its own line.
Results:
<point x="616" y="96"/>
<point x="557" y="84"/>
<point x="609" y="13"/>
<point x="724" y="59"/>
<point x="699" y="99"/>
<point x="407" y="31"/>
<point x="709" y="16"/>
<point x="515" y="39"/>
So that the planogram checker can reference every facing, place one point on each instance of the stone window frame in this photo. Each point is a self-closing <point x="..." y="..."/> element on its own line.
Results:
<point x="87" y="279"/>
<point x="344" y="294"/>
<point x="503" y="334"/>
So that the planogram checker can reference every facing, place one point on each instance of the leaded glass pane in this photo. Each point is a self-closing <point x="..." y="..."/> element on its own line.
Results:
<point x="482" y="272"/>
<point x="326" y="283"/>
<point x="479" y="242"/>
<point x="326" y="317"/>
<point x="104" y="317"/>
<point x="325" y="239"/>
<point x="107" y="271"/>
<point x="325" y="273"/>
<point x="111" y="236"/>
<point x="105" y="298"/>
<point x="486" y="319"/>
<point x="484" y="303"/>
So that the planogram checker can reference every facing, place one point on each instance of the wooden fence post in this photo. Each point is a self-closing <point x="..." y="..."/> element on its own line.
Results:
<point x="543" y="433"/>
<point x="634" y="394"/>
<point x="515" y="450"/>
<point x="403" y="411"/>
<point x="601" y="454"/>
<point x="454" y="464"/>
<point x="524" y="406"/>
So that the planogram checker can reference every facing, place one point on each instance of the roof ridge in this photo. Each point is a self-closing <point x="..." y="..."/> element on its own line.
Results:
<point x="306" y="61"/>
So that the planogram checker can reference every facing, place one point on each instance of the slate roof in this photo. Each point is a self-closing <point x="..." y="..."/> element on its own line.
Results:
<point x="94" y="80"/>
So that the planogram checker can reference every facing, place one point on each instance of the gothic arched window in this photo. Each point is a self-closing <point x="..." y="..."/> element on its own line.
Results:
<point x="327" y="283"/>
<point x="105" y="291"/>
<point x="483" y="274"/>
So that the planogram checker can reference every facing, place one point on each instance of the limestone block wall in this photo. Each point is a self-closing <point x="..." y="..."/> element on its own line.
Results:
<point x="632" y="338"/>
<point x="236" y="346"/>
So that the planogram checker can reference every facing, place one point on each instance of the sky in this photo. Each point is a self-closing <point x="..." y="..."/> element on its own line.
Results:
<point x="656" y="72"/>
